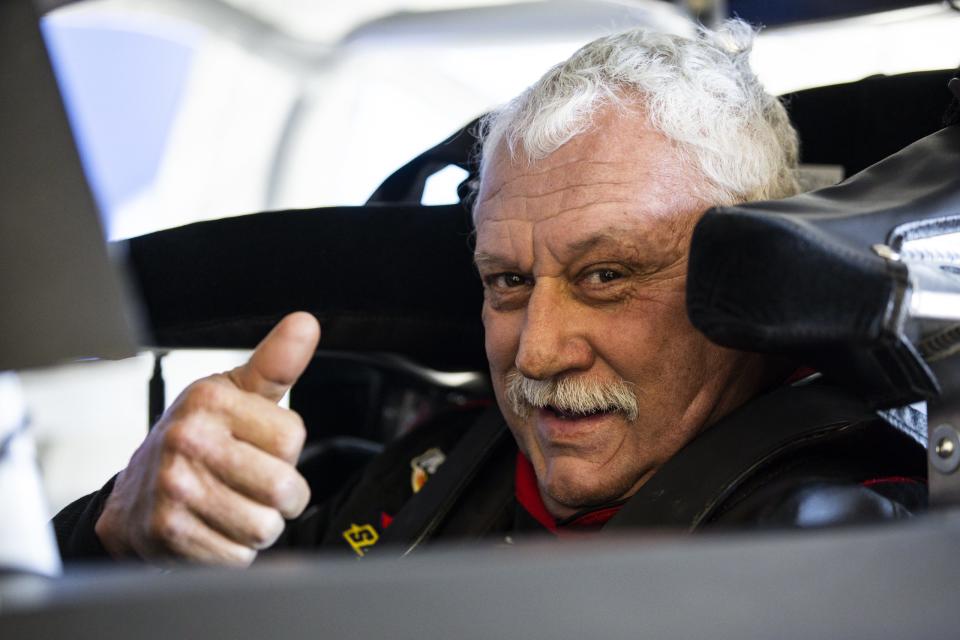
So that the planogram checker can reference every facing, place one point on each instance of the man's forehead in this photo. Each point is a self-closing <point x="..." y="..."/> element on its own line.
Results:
<point x="500" y="249"/>
<point x="616" y="187"/>
<point x="581" y="218"/>
<point x="513" y="243"/>
<point x="616" y="151"/>
<point x="620" y="164"/>
<point x="619" y="184"/>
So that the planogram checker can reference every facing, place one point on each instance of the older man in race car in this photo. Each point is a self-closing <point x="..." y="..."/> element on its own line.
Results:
<point x="591" y="183"/>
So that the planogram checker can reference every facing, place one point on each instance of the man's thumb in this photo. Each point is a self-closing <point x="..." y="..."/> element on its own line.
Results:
<point x="280" y="358"/>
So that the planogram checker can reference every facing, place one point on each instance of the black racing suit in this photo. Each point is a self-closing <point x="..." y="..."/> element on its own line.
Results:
<point x="855" y="469"/>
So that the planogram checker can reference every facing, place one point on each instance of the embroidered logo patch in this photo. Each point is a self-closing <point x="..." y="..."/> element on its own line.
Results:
<point x="424" y="466"/>
<point x="361" y="537"/>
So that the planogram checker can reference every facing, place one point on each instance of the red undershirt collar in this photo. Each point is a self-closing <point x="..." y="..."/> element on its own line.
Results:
<point x="528" y="495"/>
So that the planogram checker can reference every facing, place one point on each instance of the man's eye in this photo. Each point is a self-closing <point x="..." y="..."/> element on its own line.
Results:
<point x="603" y="276"/>
<point x="507" y="280"/>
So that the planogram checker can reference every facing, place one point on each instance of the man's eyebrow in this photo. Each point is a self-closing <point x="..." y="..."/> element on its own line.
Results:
<point x="603" y="239"/>
<point x="482" y="259"/>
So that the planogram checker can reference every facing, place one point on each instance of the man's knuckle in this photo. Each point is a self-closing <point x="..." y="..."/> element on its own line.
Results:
<point x="241" y="556"/>
<point x="169" y="526"/>
<point x="175" y="485"/>
<point x="184" y="437"/>
<point x="279" y="491"/>
<point x="267" y="529"/>
<point x="289" y="494"/>
<point x="283" y="444"/>
<point x="302" y="496"/>
<point x="299" y="428"/>
<point x="205" y="395"/>
<point x="289" y="439"/>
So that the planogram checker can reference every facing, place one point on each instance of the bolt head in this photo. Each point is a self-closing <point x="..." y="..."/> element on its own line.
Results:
<point x="945" y="448"/>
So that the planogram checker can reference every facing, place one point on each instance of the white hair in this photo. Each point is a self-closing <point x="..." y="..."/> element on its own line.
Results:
<point x="699" y="92"/>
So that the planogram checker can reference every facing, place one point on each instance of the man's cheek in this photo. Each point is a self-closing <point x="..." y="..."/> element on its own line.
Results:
<point x="501" y="340"/>
<point x="485" y="314"/>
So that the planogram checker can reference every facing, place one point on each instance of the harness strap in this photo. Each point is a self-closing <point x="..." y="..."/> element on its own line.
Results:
<point x="421" y="516"/>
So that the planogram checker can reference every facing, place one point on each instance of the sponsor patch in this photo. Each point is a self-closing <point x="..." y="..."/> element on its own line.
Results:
<point x="361" y="537"/>
<point x="424" y="466"/>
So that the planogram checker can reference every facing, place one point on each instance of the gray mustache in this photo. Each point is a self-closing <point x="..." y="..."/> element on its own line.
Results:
<point x="573" y="394"/>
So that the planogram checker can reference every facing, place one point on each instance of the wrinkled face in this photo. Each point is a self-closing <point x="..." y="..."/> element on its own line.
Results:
<point x="583" y="257"/>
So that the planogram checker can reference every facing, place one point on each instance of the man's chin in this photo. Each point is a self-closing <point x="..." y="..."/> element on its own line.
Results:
<point x="569" y="485"/>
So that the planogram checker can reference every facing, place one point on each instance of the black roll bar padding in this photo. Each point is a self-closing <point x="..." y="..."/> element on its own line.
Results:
<point x="379" y="278"/>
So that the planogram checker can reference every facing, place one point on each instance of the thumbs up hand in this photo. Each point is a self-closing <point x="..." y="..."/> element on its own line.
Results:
<point x="215" y="478"/>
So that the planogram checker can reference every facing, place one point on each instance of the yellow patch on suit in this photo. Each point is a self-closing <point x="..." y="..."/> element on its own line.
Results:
<point x="361" y="538"/>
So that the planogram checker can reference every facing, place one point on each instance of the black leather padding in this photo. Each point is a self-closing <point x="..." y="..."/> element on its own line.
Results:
<point x="379" y="278"/>
<point x="799" y="277"/>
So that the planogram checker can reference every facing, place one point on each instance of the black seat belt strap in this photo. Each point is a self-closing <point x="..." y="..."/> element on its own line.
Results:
<point x="421" y="516"/>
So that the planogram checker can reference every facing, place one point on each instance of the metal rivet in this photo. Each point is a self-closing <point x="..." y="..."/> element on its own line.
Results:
<point x="945" y="456"/>
<point x="944" y="448"/>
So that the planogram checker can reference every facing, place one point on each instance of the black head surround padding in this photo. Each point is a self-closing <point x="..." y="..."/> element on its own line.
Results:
<point x="798" y="276"/>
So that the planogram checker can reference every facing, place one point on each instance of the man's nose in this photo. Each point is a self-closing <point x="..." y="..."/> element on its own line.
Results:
<point x="551" y="340"/>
